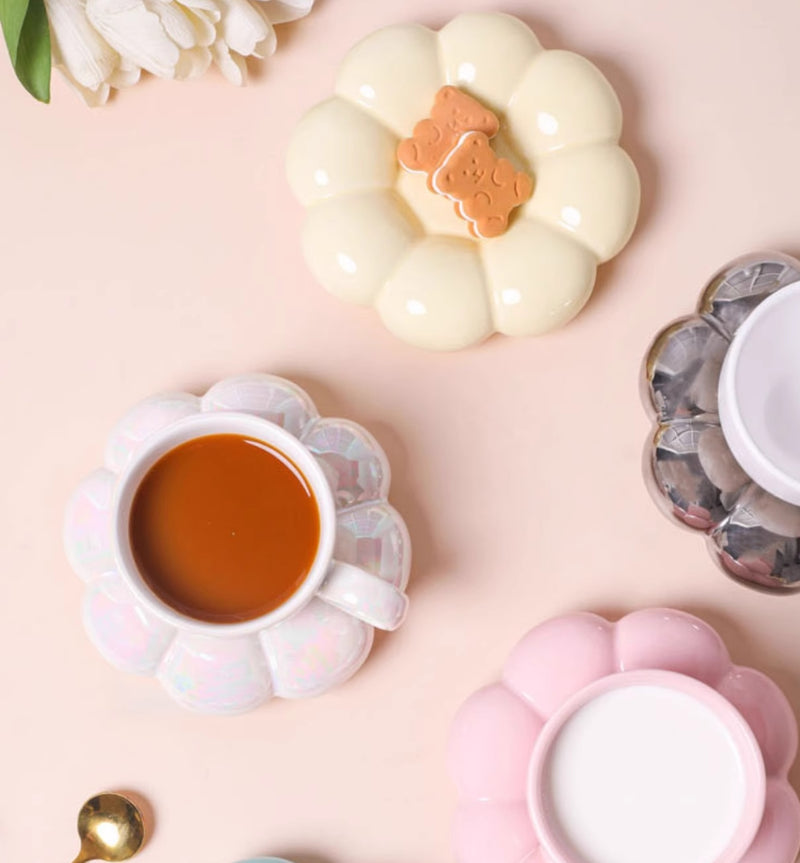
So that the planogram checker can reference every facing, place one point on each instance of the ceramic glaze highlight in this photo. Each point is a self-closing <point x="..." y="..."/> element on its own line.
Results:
<point x="376" y="235"/>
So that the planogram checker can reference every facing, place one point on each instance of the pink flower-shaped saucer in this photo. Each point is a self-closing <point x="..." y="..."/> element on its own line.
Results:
<point x="623" y="743"/>
<point x="317" y="644"/>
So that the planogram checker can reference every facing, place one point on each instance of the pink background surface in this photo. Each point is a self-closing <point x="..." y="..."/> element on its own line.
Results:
<point x="154" y="245"/>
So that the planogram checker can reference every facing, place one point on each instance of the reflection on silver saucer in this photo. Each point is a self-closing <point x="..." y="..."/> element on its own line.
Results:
<point x="754" y="536"/>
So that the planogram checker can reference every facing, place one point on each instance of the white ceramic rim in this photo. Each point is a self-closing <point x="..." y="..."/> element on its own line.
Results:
<point x="203" y="425"/>
<point x="745" y="450"/>
<point x="755" y="779"/>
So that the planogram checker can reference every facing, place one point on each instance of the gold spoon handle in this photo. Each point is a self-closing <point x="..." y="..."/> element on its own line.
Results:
<point x="84" y="856"/>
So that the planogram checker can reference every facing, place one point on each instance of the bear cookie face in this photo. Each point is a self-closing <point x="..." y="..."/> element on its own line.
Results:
<point x="453" y="148"/>
<point x="485" y="188"/>
<point x="453" y="114"/>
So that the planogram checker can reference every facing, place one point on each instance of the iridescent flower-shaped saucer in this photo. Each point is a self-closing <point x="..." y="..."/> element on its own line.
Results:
<point x="623" y="743"/>
<point x="234" y="668"/>
<point x="753" y="534"/>
<point x="265" y="860"/>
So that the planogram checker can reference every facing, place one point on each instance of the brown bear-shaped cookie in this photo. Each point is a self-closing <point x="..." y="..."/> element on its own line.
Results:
<point x="485" y="189"/>
<point x="453" y="114"/>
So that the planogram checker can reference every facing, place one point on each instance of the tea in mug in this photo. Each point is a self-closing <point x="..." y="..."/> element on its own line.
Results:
<point x="224" y="528"/>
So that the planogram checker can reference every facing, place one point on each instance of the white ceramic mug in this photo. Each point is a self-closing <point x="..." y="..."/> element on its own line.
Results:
<point x="359" y="593"/>
<point x="759" y="394"/>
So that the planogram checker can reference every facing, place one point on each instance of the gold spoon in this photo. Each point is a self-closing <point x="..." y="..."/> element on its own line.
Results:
<point x="110" y="828"/>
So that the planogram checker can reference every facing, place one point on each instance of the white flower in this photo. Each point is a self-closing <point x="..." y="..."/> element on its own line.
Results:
<point x="105" y="44"/>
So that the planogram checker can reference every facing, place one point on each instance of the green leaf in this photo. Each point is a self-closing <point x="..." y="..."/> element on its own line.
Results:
<point x="27" y="35"/>
<point x="33" y="52"/>
<point x="12" y="17"/>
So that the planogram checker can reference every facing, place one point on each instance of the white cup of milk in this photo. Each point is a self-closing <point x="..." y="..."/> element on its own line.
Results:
<point x="647" y="767"/>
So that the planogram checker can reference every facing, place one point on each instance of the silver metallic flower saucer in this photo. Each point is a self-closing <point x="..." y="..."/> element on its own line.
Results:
<point x="754" y="536"/>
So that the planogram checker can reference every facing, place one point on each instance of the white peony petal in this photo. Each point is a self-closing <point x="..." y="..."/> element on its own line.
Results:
<point x="104" y="44"/>
<point x="193" y="63"/>
<point x="88" y="58"/>
<point x="281" y="11"/>
<point x="266" y="47"/>
<point x="246" y="29"/>
<point x="175" y="22"/>
<point x="209" y="7"/>
<point x="204" y="24"/>
<point x="136" y="33"/>
<point x="232" y="66"/>
<point x="125" y="76"/>
<point x="93" y="98"/>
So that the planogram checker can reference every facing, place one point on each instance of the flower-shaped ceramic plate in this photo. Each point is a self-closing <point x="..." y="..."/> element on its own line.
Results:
<point x="752" y="534"/>
<point x="622" y="743"/>
<point x="315" y="648"/>
<point x="376" y="235"/>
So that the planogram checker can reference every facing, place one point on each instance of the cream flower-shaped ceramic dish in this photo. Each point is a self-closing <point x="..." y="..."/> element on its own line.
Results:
<point x="319" y="637"/>
<point x="753" y="535"/>
<point x="623" y="743"/>
<point x="376" y="235"/>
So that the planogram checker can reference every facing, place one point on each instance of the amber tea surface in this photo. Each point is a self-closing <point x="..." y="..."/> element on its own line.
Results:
<point x="224" y="528"/>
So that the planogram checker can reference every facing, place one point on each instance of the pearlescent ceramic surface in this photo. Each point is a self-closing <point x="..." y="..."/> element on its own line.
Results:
<point x="753" y="535"/>
<point x="376" y="235"/>
<point x="500" y="733"/>
<point x="265" y="860"/>
<point x="317" y="647"/>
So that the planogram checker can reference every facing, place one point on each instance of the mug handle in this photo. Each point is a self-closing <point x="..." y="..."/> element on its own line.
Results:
<point x="365" y="596"/>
